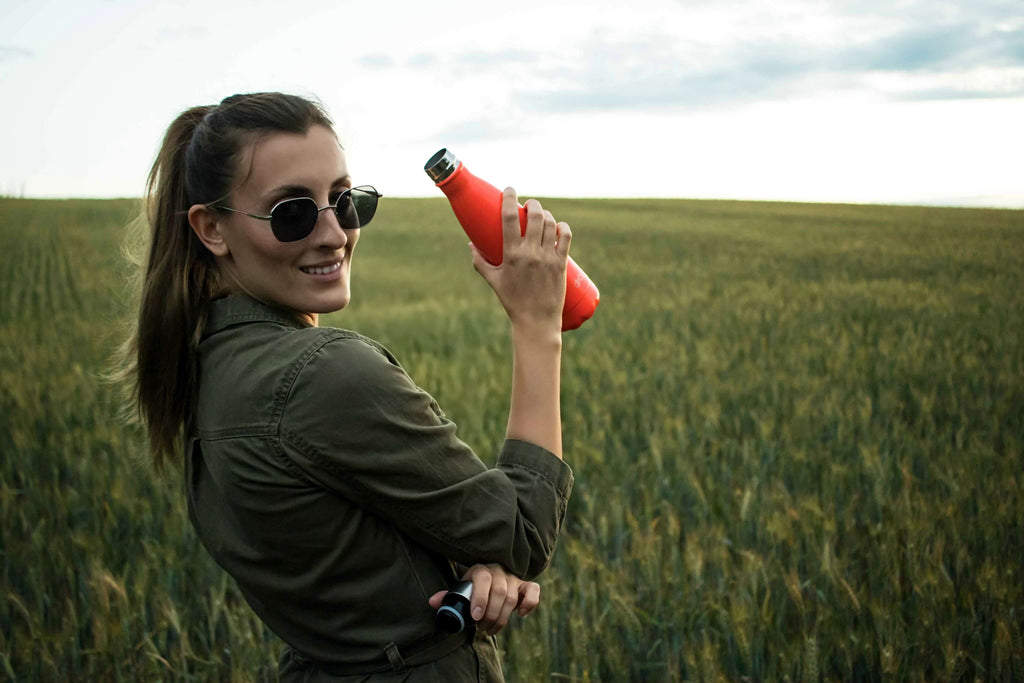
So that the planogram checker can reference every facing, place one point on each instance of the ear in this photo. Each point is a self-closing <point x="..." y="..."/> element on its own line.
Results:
<point x="207" y="226"/>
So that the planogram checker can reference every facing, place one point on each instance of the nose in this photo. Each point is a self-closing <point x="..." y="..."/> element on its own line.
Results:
<point x="328" y="231"/>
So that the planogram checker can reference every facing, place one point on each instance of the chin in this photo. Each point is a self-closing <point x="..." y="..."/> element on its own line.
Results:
<point x="331" y="304"/>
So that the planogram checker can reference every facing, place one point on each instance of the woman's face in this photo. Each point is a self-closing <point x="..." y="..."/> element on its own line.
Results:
<point x="309" y="276"/>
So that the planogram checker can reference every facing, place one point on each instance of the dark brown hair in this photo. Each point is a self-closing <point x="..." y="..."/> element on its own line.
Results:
<point x="198" y="163"/>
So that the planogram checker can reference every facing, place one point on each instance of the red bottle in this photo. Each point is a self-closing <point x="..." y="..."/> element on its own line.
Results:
<point x="477" y="206"/>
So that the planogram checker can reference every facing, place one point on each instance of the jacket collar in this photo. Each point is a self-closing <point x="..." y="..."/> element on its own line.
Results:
<point x="240" y="308"/>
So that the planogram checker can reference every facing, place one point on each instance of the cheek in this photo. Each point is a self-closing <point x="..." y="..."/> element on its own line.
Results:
<point x="257" y="250"/>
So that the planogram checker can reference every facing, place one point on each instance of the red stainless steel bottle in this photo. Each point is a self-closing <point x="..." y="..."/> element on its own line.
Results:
<point x="477" y="206"/>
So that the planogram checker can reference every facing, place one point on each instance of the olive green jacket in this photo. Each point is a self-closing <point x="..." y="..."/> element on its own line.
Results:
<point x="336" y="493"/>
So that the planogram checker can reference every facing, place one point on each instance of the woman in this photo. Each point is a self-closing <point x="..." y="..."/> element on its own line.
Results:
<point x="331" y="488"/>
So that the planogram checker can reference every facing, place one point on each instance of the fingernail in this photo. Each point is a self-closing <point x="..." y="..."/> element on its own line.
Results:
<point x="477" y="613"/>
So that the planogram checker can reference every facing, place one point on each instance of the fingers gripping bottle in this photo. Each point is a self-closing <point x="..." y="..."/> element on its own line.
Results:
<point x="477" y="206"/>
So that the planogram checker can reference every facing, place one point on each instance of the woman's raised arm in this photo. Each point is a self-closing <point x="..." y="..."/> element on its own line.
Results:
<point x="530" y="284"/>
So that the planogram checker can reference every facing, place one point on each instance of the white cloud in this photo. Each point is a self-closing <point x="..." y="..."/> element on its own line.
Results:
<point x="699" y="98"/>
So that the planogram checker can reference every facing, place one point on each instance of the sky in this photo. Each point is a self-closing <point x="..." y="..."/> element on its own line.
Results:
<point x="869" y="101"/>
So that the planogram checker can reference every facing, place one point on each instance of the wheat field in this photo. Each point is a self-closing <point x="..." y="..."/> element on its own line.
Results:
<point x="797" y="433"/>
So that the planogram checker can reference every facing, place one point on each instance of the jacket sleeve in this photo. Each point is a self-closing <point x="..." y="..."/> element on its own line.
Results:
<point x="355" y="423"/>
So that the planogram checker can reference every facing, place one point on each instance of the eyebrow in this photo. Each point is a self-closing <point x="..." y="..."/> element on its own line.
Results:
<point x="302" y="190"/>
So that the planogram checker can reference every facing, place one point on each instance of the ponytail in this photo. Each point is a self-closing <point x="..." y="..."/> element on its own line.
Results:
<point x="197" y="164"/>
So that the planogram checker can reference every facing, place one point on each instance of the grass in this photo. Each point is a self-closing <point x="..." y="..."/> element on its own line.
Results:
<point x="797" y="432"/>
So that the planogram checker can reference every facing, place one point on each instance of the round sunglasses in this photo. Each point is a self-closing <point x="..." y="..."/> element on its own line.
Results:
<point x="294" y="219"/>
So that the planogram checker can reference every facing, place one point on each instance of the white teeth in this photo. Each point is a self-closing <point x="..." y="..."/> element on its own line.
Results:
<point x="321" y="270"/>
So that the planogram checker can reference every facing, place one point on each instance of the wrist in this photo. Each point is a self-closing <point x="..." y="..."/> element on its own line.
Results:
<point x="540" y="336"/>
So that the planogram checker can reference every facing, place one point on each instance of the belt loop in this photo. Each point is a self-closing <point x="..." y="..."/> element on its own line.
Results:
<point x="395" y="657"/>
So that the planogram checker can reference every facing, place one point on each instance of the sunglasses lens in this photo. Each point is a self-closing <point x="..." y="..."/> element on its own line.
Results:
<point x="356" y="207"/>
<point x="346" y="212"/>
<point x="292" y="220"/>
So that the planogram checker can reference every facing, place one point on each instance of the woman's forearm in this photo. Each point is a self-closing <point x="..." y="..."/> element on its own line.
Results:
<point x="535" y="410"/>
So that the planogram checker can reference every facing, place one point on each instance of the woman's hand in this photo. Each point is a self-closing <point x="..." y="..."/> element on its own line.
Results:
<point x="496" y="593"/>
<point x="530" y="282"/>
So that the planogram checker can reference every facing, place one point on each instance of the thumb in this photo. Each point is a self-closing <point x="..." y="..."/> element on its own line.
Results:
<point x="435" y="599"/>
<point x="480" y="264"/>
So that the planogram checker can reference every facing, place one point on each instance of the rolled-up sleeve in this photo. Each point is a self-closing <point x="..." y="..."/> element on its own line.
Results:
<point x="355" y="423"/>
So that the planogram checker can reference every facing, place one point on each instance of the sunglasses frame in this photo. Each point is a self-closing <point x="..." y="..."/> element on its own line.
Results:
<point x="369" y="190"/>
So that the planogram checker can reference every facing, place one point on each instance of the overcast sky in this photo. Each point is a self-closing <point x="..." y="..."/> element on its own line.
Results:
<point x="886" y="101"/>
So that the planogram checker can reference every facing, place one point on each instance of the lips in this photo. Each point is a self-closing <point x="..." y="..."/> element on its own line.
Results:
<point x="322" y="269"/>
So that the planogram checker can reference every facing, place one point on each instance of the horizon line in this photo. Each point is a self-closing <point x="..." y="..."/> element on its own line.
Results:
<point x="998" y="202"/>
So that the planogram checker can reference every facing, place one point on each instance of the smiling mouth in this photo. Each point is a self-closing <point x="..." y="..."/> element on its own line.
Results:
<point x="321" y="270"/>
